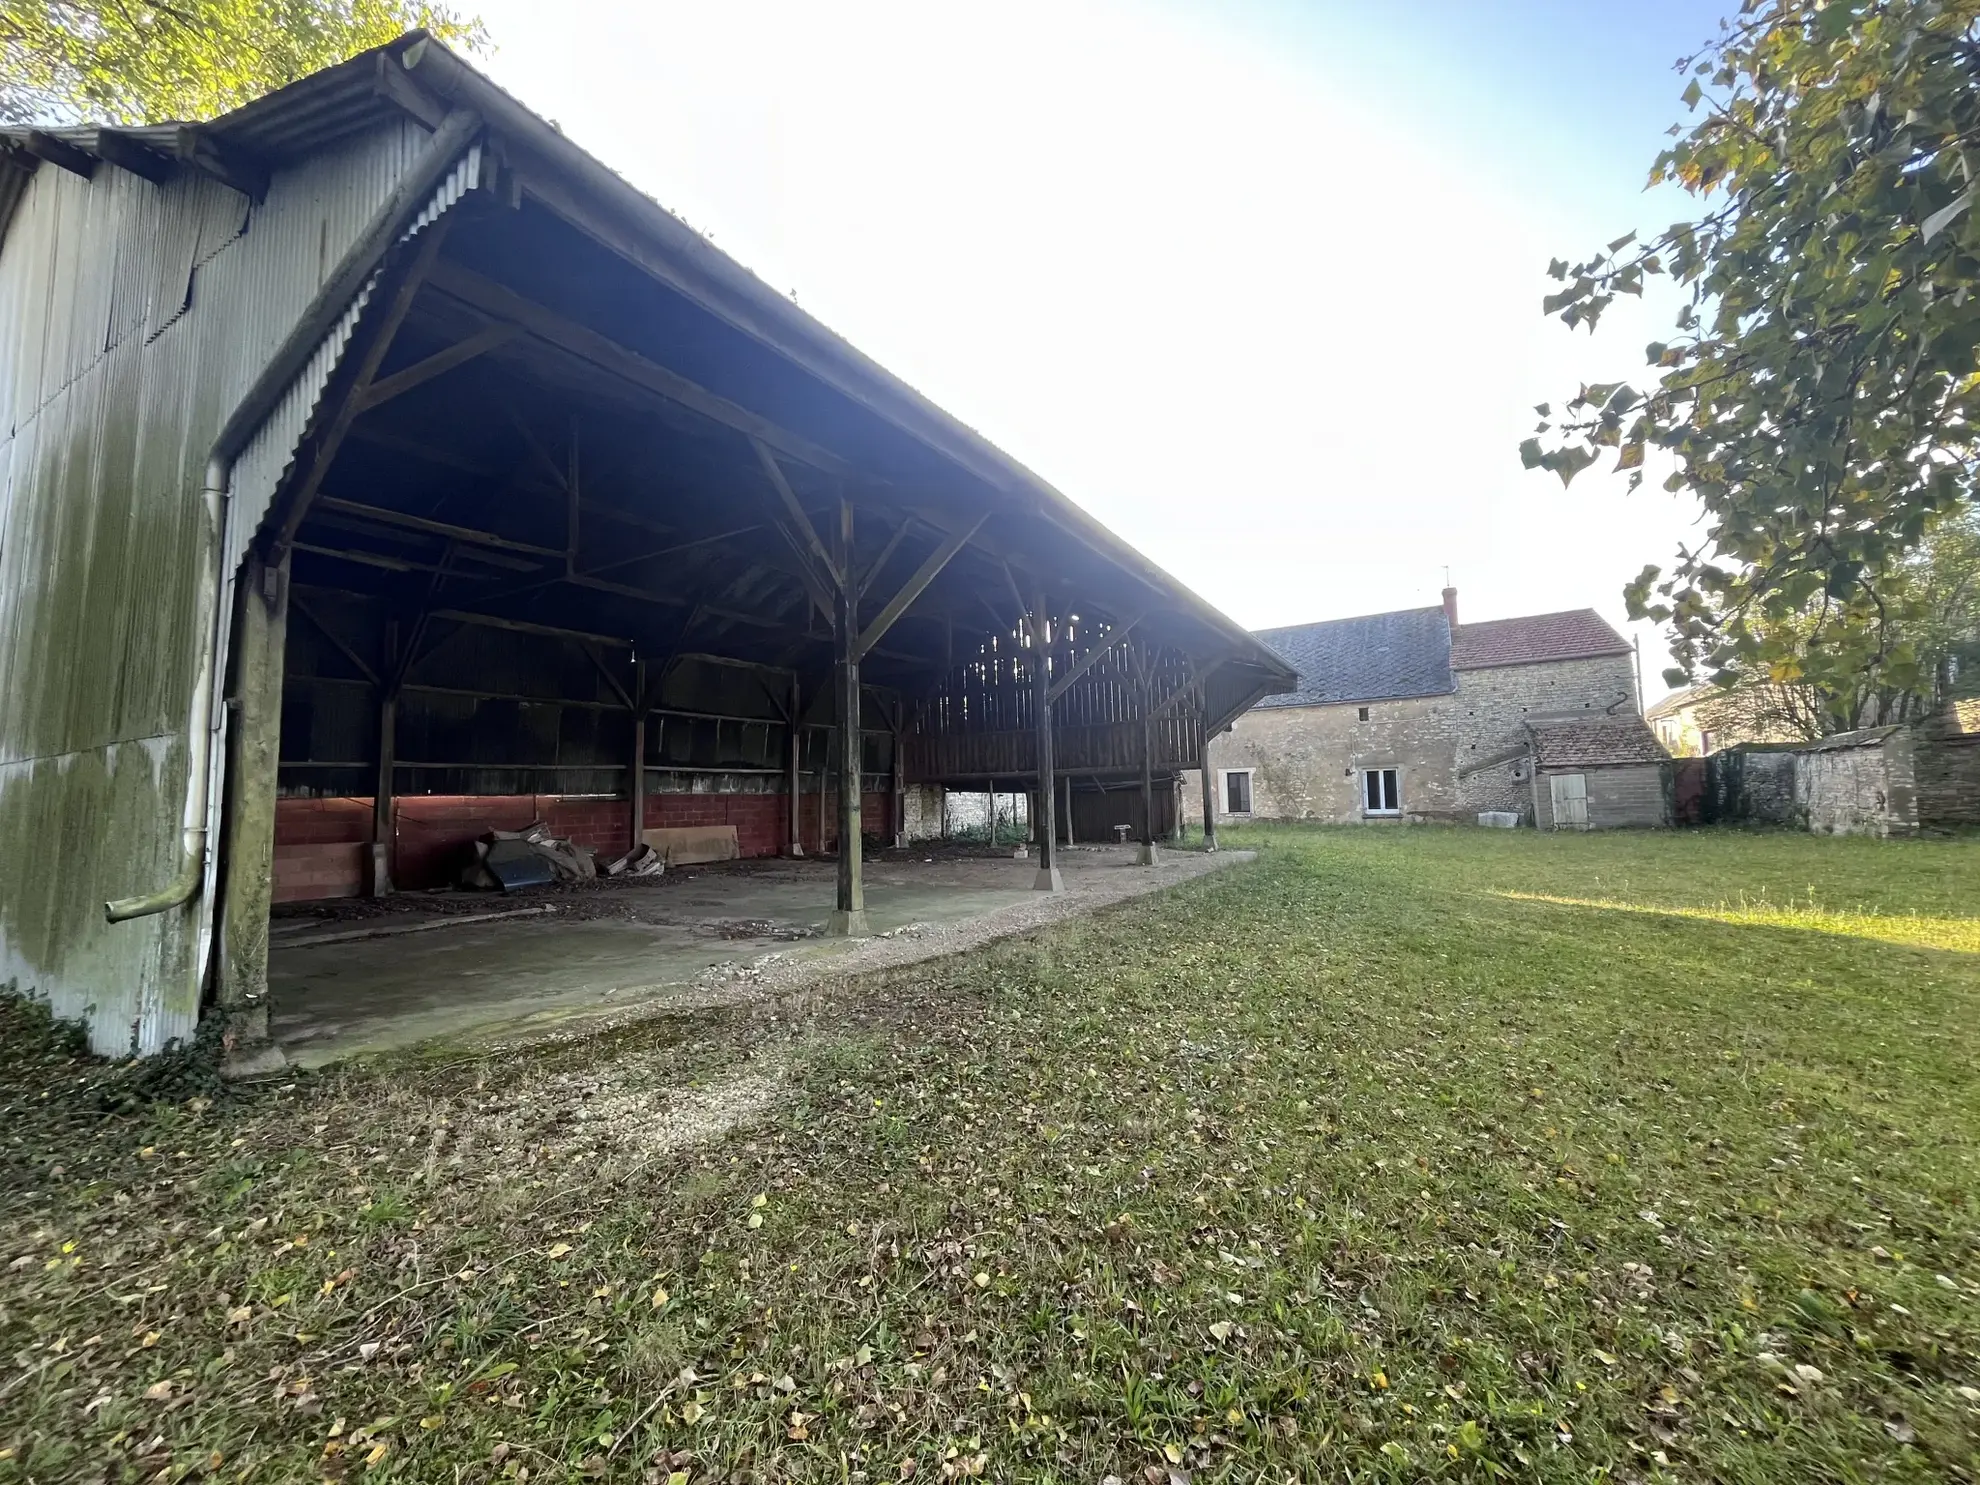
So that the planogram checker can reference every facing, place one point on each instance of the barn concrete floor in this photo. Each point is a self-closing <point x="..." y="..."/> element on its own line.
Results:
<point x="697" y="937"/>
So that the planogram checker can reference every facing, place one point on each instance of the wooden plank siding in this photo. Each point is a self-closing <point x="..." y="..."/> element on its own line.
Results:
<point x="981" y="721"/>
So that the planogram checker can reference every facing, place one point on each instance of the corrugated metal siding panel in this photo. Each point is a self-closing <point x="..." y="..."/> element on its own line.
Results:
<point x="348" y="197"/>
<point x="111" y="391"/>
<point x="381" y="160"/>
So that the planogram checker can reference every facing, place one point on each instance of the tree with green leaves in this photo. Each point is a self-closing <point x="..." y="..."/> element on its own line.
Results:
<point x="1819" y="397"/>
<point x="1935" y="593"/>
<point x="142" y="61"/>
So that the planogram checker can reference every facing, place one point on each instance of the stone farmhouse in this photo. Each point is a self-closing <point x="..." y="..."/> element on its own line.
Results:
<point x="1414" y="716"/>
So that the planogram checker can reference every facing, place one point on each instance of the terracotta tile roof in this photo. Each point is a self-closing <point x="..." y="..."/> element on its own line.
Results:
<point x="1577" y="634"/>
<point x="1377" y="657"/>
<point x="1593" y="742"/>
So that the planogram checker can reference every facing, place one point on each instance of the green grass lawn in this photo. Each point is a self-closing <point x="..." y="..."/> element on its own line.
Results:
<point x="1397" y="1155"/>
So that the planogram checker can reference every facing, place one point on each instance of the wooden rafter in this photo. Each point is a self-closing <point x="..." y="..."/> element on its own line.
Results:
<point x="879" y="563"/>
<point x="317" y="623"/>
<point x="473" y="536"/>
<point x="438" y="364"/>
<point x="313" y="464"/>
<point x="914" y="587"/>
<point x="499" y="302"/>
<point x="812" y="547"/>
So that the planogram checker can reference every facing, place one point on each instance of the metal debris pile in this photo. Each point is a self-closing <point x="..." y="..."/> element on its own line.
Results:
<point x="507" y="860"/>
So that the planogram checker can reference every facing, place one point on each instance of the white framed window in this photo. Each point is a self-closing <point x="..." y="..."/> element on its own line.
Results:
<point x="1381" y="791"/>
<point x="1237" y="791"/>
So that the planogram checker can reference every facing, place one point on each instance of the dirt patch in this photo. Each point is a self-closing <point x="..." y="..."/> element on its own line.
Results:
<point x="659" y="1121"/>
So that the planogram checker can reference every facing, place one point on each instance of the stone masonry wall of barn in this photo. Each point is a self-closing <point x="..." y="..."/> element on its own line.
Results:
<point x="1304" y="759"/>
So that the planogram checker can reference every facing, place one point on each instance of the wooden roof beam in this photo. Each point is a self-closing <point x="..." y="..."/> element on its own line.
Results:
<point x="914" y="587"/>
<point x="205" y="152"/>
<point x="126" y="153"/>
<point x="499" y="302"/>
<point x="469" y="534"/>
<point x="60" y="152"/>
<point x="438" y="364"/>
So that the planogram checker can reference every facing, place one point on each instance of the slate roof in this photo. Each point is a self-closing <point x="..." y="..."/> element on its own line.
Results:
<point x="1377" y="657"/>
<point x="1577" y="634"/>
<point x="1595" y="742"/>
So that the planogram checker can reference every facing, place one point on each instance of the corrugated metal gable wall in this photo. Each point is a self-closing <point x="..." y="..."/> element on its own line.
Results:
<point x="132" y="319"/>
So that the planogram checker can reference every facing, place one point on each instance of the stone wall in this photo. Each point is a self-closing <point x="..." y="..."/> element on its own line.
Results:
<point x="1493" y="705"/>
<point x="1880" y="781"/>
<point x="1751" y="786"/>
<point x="922" y="811"/>
<point x="1305" y="760"/>
<point x="1946" y="766"/>
<point x="1861" y="788"/>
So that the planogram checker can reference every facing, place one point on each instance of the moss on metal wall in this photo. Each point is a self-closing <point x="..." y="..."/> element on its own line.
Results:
<point x="75" y="830"/>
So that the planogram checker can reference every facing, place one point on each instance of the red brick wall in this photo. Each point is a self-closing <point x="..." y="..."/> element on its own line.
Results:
<point x="317" y="840"/>
<point x="873" y="818"/>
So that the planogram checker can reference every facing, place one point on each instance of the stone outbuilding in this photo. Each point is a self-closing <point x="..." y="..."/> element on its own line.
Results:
<point x="1881" y="781"/>
<point x="1597" y="773"/>
<point x="1414" y="716"/>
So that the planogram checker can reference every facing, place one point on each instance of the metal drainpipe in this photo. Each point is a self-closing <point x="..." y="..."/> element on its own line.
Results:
<point x="390" y="222"/>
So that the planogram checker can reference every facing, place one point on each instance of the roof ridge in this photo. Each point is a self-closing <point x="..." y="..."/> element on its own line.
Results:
<point x="1557" y="613"/>
<point x="1385" y="613"/>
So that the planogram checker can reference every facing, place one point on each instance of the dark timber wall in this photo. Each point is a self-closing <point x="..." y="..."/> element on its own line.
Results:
<point x="497" y="728"/>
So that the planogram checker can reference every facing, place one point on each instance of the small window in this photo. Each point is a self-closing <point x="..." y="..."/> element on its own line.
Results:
<point x="1237" y="791"/>
<point x="1380" y="792"/>
<point x="1363" y="713"/>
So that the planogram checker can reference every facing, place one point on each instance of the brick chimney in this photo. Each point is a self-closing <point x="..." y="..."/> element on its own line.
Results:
<point x="1450" y="606"/>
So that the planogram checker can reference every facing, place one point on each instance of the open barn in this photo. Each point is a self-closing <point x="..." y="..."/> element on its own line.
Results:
<point x="382" y="471"/>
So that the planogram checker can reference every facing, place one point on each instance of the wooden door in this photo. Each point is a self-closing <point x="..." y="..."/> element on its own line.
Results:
<point x="1570" y="801"/>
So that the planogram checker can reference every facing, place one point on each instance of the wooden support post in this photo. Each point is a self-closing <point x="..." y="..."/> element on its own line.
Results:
<point x="796" y="782"/>
<point x="992" y="798"/>
<point x="849" y="915"/>
<point x="637" y="791"/>
<point x="1047" y="878"/>
<point x="381" y="797"/>
<point x="248" y="888"/>
<point x="1146" y="855"/>
<point x="1069" y="822"/>
<point x="1209" y="785"/>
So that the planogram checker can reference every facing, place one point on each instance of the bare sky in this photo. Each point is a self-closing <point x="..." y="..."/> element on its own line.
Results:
<point x="1257" y="284"/>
